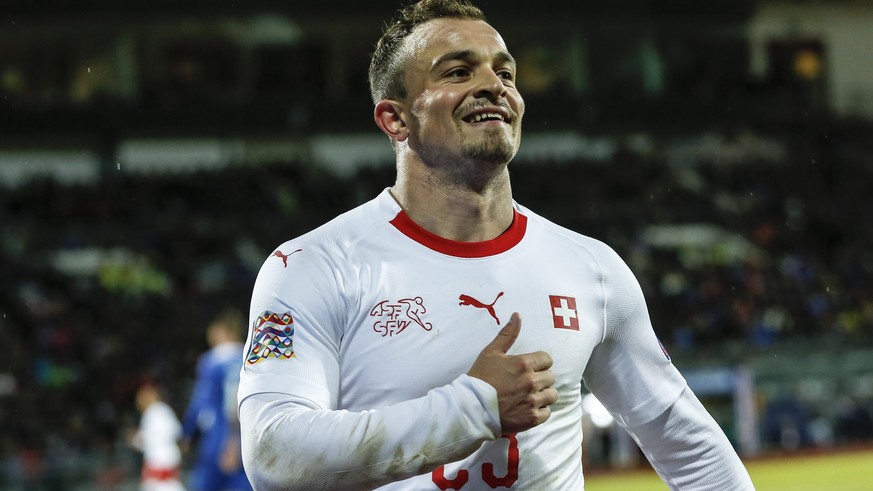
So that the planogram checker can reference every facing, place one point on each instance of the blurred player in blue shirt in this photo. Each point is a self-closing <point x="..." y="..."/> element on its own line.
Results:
<point x="211" y="418"/>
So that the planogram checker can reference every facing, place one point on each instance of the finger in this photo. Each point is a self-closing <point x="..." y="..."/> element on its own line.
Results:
<point x="548" y="397"/>
<point x="538" y="360"/>
<point x="542" y="415"/>
<point x="543" y="380"/>
<point x="507" y="335"/>
<point x="543" y="400"/>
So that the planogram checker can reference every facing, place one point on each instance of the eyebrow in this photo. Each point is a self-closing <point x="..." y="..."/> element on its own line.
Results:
<point x="467" y="55"/>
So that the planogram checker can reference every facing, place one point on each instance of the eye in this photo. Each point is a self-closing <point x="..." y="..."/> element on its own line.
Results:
<point x="506" y="74"/>
<point x="459" y="72"/>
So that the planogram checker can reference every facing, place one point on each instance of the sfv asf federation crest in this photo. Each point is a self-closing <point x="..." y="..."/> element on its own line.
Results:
<point x="272" y="337"/>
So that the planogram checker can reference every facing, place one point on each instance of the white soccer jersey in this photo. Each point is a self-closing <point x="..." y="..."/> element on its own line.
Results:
<point x="370" y="323"/>
<point x="159" y="434"/>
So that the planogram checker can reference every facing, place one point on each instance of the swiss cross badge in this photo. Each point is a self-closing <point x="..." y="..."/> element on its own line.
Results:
<point x="564" y="314"/>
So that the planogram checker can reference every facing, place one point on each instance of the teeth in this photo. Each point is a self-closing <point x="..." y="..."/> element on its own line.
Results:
<point x="479" y="117"/>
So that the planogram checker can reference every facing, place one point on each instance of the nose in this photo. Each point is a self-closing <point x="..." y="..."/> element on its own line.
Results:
<point x="489" y="85"/>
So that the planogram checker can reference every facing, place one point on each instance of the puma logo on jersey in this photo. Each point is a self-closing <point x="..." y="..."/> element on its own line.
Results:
<point x="284" y="256"/>
<point x="489" y="307"/>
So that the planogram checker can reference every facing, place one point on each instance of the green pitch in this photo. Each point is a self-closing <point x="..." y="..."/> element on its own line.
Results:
<point x="844" y="472"/>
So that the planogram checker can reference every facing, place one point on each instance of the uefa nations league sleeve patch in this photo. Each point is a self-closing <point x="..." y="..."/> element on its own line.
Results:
<point x="272" y="337"/>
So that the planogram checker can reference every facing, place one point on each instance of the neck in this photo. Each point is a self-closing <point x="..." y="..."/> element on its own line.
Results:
<point x="453" y="210"/>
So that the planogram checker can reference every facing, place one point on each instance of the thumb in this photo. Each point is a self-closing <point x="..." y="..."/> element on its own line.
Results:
<point x="507" y="335"/>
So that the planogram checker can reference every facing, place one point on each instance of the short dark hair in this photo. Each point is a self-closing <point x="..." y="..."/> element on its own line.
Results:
<point x="387" y="63"/>
<point x="231" y="320"/>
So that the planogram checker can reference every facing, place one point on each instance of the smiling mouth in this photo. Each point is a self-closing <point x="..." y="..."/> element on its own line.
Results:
<point x="485" y="117"/>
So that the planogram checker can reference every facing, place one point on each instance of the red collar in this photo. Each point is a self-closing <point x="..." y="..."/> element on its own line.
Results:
<point x="502" y="243"/>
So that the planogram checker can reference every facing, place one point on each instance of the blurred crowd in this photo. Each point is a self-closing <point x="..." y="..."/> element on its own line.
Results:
<point x="109" y="283"/>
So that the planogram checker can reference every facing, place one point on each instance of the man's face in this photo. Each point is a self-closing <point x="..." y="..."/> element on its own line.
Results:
<point x="465" y="109"/>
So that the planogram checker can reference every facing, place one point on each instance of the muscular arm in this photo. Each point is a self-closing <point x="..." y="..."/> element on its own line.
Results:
<point x="689" y="450"/>
<point x="290" y="443"/>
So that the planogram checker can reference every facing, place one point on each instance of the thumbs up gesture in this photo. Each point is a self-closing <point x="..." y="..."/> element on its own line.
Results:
<point x="524" y="383"/>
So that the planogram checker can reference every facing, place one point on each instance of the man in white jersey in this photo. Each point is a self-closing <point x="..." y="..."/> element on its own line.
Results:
<point x="437" y="336"/>
<point x="158" y="439"/>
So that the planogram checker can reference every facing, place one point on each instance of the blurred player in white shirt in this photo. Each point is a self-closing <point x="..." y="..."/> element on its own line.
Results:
<point x="158" y="439"/>
<point x="437" y="336"/>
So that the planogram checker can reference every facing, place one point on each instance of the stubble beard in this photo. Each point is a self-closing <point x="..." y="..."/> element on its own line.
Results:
<point x="479" y="160"/>
<point x="494" y="148"/>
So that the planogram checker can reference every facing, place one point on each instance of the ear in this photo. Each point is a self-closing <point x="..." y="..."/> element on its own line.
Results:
<point x="391" y="119"/>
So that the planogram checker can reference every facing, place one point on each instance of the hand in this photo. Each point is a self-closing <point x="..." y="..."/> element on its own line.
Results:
<point x="523" y="382"/>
